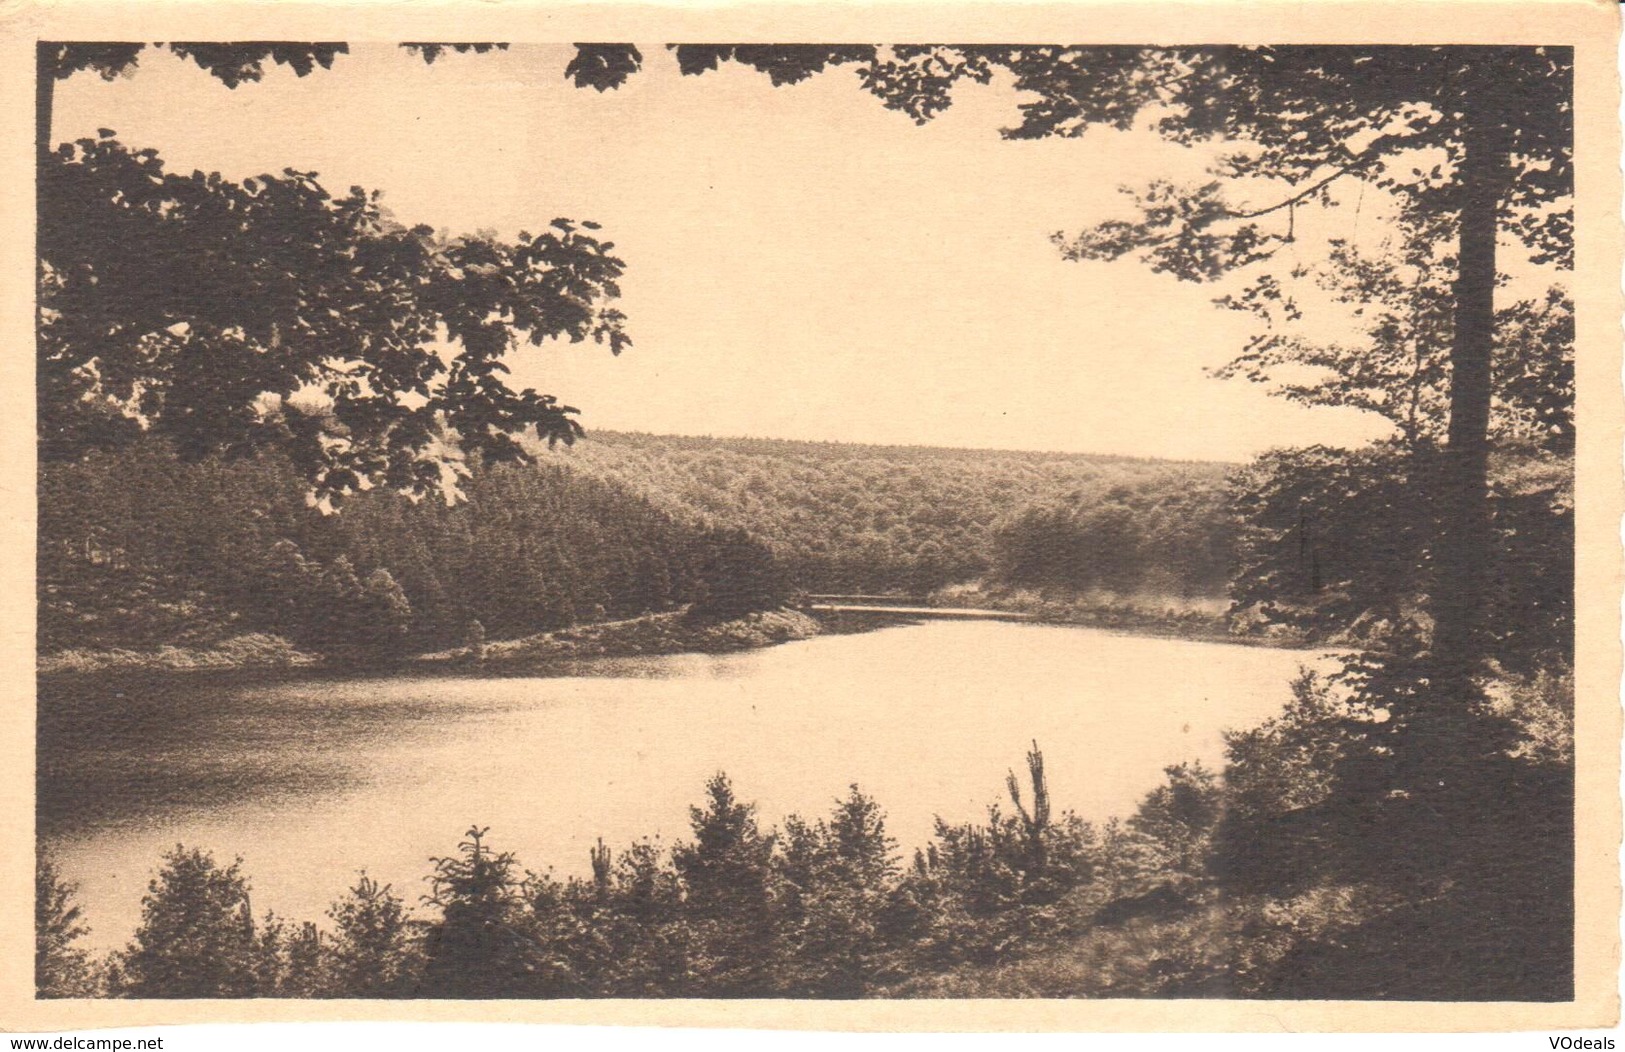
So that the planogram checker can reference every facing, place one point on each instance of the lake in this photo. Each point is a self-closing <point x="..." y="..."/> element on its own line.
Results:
<point x="312" y="779"/>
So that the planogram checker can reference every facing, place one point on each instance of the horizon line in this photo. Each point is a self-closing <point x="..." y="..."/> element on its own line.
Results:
<point x="599" y="431"/>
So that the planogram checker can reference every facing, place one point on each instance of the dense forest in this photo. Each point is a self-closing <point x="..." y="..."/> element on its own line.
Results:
<point x="1257" y="880"/>
<point x="851" y="518"/>
<point x="140" y="549"/>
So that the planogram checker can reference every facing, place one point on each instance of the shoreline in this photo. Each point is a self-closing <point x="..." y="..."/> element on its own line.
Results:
<point x="1128" y="615"/>
<point x="647" y="635"/>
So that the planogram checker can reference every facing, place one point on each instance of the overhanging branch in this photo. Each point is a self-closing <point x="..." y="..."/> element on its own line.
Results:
<point x="1307" y="192"/>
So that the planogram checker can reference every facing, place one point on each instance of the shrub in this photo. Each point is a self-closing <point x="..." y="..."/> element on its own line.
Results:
<point x="371" y="954"/>
<point x="61" y="968"/>
<point x="196" y="937"/>
<point x="480" y="947"/>
<point x="838" y="879"/>
<point x="727" y="877"/>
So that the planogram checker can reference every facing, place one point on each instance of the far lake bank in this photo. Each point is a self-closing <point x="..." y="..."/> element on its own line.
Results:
<point x="670" y="632"/>
<point x="660" y="633"/>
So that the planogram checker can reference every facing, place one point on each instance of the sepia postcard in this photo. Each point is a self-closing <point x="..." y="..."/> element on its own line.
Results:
<point x="891" y="517"/>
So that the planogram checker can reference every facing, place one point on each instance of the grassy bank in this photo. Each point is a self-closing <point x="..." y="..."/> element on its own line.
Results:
<point x="256" y="650"/>
<point x="669" y="633"/>
<point x="1180" y="617"/>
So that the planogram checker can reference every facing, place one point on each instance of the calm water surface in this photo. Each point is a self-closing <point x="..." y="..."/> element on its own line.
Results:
<point x="312" y="780"/>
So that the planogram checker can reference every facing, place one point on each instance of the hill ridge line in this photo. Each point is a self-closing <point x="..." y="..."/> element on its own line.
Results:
<point x="875" y="448"/>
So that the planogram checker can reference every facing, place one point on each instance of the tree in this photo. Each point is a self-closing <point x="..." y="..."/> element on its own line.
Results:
<point x="373" y="612"/>
<point x="1178" y="818"/>
<point x="232" y="64"/>
<point x="841" y="875"/>
<point x="737" y="575"/>
<point x="272" y="289"/>
<point x="728" y="882"/>
<point x="1504" y="118"/>
<point x="647" y="929"/>
<point x="979" y="887"/>
<point x="1080" y="547"/>
<point x="61" y="968"/>
<point x="371" y="954"/>
<point x="288" y="959"/>
<point x="1333" y="541"/>
<point x="1399" y="368"/>
<point x="304" y="963"/>
<point x="1277" y="774"/>
<point x="480" y="947"/>
<point x="1336" y="545"/>
<point x="282" y="315"/>
<point x="196" y="937"/>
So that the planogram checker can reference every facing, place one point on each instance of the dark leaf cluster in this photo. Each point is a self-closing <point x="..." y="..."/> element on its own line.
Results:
<point x="229" y="317"/>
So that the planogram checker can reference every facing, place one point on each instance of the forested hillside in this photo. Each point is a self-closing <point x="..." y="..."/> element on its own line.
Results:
<point x="846" y="518"/>
<point x="139" y="548"/>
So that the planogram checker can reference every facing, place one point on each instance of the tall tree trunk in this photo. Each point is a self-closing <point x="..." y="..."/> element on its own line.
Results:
<point x="1463" y="557"/>
<point x="44" y="90"/>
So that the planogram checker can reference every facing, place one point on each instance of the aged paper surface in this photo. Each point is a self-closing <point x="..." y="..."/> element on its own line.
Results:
<point x="759" y="209"/>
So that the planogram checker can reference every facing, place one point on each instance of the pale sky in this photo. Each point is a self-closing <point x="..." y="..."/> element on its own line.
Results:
<point x="801" y="262"/>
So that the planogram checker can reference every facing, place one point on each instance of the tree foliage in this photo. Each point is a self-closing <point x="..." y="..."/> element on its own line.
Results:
<point x="1337" y="545"/>
<point x="738" y="574"/>
<point x="372" y="953"/>
<point x="1403" y="821"/>
<point x="1398" y="366"/>
<point x="837" y="899"/>
<point x="603" y="66"/>
<point x="1299" y="116"/>
<point x="854" y="518"/>
<point x="728" y="880"/>
<point x="231" y="63"/>
<point x="62" y="968"/>
<point x="285" y="315"/>
<point x="1260" y="882"/>
<point x="1166" y="539"/>
<point x="138" y="549"/>
<point x="480" y="945"/>
<point x="197" y="935"/>
<point x="429" y="51"/>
